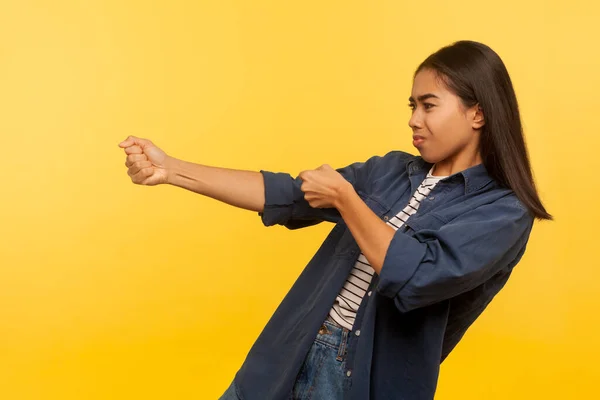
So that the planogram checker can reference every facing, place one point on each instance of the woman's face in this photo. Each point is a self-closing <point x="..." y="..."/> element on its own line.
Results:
<point x="444" y="130"/>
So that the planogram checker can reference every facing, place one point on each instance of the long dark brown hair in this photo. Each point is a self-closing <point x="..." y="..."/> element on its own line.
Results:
<point x="476" y="74"/>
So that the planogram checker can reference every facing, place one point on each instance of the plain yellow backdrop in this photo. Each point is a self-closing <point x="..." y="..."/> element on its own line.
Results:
<point x="109" y="290"/>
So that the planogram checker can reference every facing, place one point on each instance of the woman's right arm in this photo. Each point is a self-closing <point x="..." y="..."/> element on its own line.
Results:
<point x="239" y="188"/>
<point x="149" y="165"/>
<point x="276" y="196"/>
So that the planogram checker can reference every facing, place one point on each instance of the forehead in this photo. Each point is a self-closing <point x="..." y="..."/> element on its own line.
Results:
<point x="428" y="81"/>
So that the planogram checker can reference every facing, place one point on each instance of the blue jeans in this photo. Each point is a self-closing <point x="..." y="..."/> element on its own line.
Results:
<point x="322" y="375"/>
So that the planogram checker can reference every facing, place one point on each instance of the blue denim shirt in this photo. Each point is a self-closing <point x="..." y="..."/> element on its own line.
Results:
<point x="440" y="271"/>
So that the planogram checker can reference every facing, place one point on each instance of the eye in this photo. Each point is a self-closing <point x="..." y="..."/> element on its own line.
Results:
<point x="428" y="106"/>
<point x="412" y="106"/>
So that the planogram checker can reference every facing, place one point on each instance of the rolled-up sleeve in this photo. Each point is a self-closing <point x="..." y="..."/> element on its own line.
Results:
<point x="285" y="203"/>
<point x="435" y="265"/>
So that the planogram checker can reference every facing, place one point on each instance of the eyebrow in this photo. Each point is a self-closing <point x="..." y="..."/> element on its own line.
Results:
<point x="423" y="97"/>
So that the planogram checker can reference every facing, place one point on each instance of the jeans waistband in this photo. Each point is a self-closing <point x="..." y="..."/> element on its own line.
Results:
<point x="333" y="335"/>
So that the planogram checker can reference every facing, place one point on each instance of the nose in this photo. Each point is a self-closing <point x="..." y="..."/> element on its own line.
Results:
<point x="415" y="121"/>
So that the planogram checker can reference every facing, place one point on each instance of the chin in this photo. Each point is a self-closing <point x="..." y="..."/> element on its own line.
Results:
<point x="430" y="158"/>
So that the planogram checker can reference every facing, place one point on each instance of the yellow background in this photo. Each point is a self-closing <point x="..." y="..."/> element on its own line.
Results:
<point x="110" y="290"/>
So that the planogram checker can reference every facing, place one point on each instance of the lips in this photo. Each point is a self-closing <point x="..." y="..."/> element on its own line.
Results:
<point x="418" y="140"/>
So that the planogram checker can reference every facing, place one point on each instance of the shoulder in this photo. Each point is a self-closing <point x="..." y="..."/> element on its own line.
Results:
<point x="501" y="203"/>
<point x="398" y="155"/>
<point x="394" y="159"/>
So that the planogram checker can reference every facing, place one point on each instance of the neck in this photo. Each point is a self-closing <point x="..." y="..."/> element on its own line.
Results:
<point x="456" y="164"/>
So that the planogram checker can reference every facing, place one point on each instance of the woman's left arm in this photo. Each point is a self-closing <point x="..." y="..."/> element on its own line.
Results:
<point x="435" y="265"/>
<point x="372" y="235"/>
<point x="432" y="264"/>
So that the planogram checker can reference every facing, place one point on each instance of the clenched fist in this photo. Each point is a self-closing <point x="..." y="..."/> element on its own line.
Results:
<point x="146" y="163"/>
<point x="323" y="187"/>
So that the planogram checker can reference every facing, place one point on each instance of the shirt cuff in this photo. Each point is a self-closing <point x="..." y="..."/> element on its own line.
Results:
<point x="401" y="261"/>
<point x="279" y="198"/>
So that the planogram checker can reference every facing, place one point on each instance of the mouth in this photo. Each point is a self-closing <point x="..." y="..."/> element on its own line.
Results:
<point x="418" y="140"/>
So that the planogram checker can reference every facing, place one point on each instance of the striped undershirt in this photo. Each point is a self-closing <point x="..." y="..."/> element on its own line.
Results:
<point x="350" y="296"/>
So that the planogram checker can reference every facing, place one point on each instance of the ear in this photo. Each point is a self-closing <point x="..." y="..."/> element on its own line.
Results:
<point x="478" y="119"/>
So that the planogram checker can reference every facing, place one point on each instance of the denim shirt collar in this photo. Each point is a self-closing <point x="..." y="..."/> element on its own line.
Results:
<point x="474" y="178"/>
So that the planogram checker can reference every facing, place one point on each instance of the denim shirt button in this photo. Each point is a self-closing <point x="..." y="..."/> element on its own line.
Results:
<point x="386" y="218"/>
<point x="349" y="373"/>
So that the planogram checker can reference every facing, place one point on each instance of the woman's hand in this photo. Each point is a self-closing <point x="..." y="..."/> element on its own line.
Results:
<point x="146" y="164"/>
<point x="324" y="187"/>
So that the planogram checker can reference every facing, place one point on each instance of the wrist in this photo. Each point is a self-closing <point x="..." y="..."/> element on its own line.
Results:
<point x="170" y="166"/>
<point x="345" y="195"/>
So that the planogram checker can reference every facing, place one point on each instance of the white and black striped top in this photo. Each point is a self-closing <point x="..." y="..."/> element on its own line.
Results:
<point x="349" y="298"/>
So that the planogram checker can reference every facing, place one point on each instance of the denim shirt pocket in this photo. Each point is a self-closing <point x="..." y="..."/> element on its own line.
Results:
<point x="426" y="221"/>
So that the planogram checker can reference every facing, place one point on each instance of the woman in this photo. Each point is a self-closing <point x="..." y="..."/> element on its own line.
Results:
<point x="420" y="246"/>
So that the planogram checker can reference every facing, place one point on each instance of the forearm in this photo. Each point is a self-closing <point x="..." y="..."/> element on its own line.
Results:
<point x="239" y="188"/>
<point x="372" y="234"/>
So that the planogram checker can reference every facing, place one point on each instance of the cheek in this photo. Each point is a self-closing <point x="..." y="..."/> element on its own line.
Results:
<point x="446" y="135"/>
<point x="446" y="127"/>
<point x="438" y="123"/>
